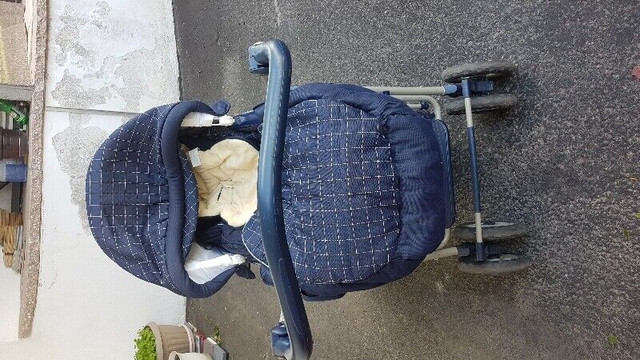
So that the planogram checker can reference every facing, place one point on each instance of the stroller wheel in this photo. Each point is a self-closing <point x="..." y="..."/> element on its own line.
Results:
<point x="482" y="103"/>
<point x="486" y="69"/>
<point x="491" y="230"/>
<point x="498" y="264"/>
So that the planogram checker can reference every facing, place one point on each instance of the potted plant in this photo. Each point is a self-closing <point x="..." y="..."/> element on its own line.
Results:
<point x="188" y="356"/>
<point x="156" y="342"/>
<point x="145" y="345"/>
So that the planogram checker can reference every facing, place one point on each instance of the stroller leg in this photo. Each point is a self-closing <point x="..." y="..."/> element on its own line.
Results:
<point x="466" y="93"/>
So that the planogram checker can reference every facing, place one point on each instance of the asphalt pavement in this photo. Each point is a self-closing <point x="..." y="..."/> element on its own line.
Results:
<point x="565" y="161"/>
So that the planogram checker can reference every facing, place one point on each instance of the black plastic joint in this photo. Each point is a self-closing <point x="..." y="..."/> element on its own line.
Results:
<point x="258" y="61"/>
<point x="481" y="252"/>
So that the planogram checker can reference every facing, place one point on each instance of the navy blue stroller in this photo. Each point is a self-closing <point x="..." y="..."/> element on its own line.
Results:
<point x="328" y="188"/>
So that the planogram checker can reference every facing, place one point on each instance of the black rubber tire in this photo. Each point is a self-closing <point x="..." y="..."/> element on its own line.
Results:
<point x="491" y="230"/>
<point x="482" y="103"/>
<point x="502" y="264"/>
<point x="486" y="69"/>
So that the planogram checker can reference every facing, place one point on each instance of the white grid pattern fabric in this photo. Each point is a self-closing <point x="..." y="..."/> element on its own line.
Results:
<point x="128" y="198"/>
<point x="340" y="194"/>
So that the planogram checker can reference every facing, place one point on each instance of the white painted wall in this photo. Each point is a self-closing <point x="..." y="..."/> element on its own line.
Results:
<point x="9" y="304"/>
<point x="104" y="58"/>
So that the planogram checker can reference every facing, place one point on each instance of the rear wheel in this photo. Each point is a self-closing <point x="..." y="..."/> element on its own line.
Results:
<point x="491" y="230"/>
<point x="494" y="265"/>
<point x="482" y="104"/>
<point x="486" y="69"/>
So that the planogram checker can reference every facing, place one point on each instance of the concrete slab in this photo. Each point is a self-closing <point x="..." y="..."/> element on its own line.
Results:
<point x="565" y="162"/>
<point x="114" y="56"/>
<point x="14" y="63"/>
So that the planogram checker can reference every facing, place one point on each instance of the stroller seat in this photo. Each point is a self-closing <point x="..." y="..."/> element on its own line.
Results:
<point x="362" y="192"/>
<point x="227" y="178"/>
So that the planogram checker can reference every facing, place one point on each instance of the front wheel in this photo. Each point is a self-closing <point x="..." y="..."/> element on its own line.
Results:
<point x="486" y="70"/>
<point x="482" y="104"/>
<point x="491" y="230"/>
<point x="494" y="265"/>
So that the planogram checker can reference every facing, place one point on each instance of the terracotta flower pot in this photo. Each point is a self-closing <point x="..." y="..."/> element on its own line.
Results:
<point x="171" y="338"/>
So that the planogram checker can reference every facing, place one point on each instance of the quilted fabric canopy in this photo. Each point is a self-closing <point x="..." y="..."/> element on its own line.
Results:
<point x="142" y="201"/>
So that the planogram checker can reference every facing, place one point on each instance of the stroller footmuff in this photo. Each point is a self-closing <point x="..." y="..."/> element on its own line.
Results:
<point x="361" y="189"/>
<point x="362" y="193"/>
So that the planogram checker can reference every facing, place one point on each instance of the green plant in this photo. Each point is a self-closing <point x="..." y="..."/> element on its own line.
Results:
<point x="612" y="340"/>
<point x="145" y="345"/>
<point x="216" y="335"/>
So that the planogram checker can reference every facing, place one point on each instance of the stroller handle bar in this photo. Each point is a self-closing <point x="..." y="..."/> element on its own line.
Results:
<point x="290" y="339"/>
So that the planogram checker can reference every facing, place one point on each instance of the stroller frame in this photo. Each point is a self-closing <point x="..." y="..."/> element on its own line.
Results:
<point x="291" y="337"/>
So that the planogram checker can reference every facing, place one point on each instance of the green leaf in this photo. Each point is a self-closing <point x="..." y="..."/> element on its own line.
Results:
<point x="145" y="345"/>
<point x="216" y="336"/>
<point x="612" y="340"/>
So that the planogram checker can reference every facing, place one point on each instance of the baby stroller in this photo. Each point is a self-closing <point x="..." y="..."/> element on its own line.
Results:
<point x="351" y="189"/>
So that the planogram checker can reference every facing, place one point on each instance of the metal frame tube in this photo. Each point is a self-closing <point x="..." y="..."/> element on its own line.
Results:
<point x="410" y="90"/>
<point x="447" y="235"/>
<point x="272" y="57"/>
<point x="475" y="181"/>
<point x="413" y="96"/>
<point x="437" y="110"/>
<point x="452" y="251"/>
<point x="439" y="254"/>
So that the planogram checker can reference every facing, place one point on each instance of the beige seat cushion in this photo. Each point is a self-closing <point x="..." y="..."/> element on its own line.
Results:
<point x="228" y="181"/>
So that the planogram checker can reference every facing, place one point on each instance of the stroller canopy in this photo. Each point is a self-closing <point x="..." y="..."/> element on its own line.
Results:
<point x="142" y="200"/>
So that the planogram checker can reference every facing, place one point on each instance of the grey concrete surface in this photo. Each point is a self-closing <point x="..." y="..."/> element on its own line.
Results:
<point x="565" y="162"/>
<point x="14" y="66"/>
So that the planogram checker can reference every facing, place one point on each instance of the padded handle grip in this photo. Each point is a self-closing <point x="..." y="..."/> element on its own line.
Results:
<point x="272" y="57"/>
